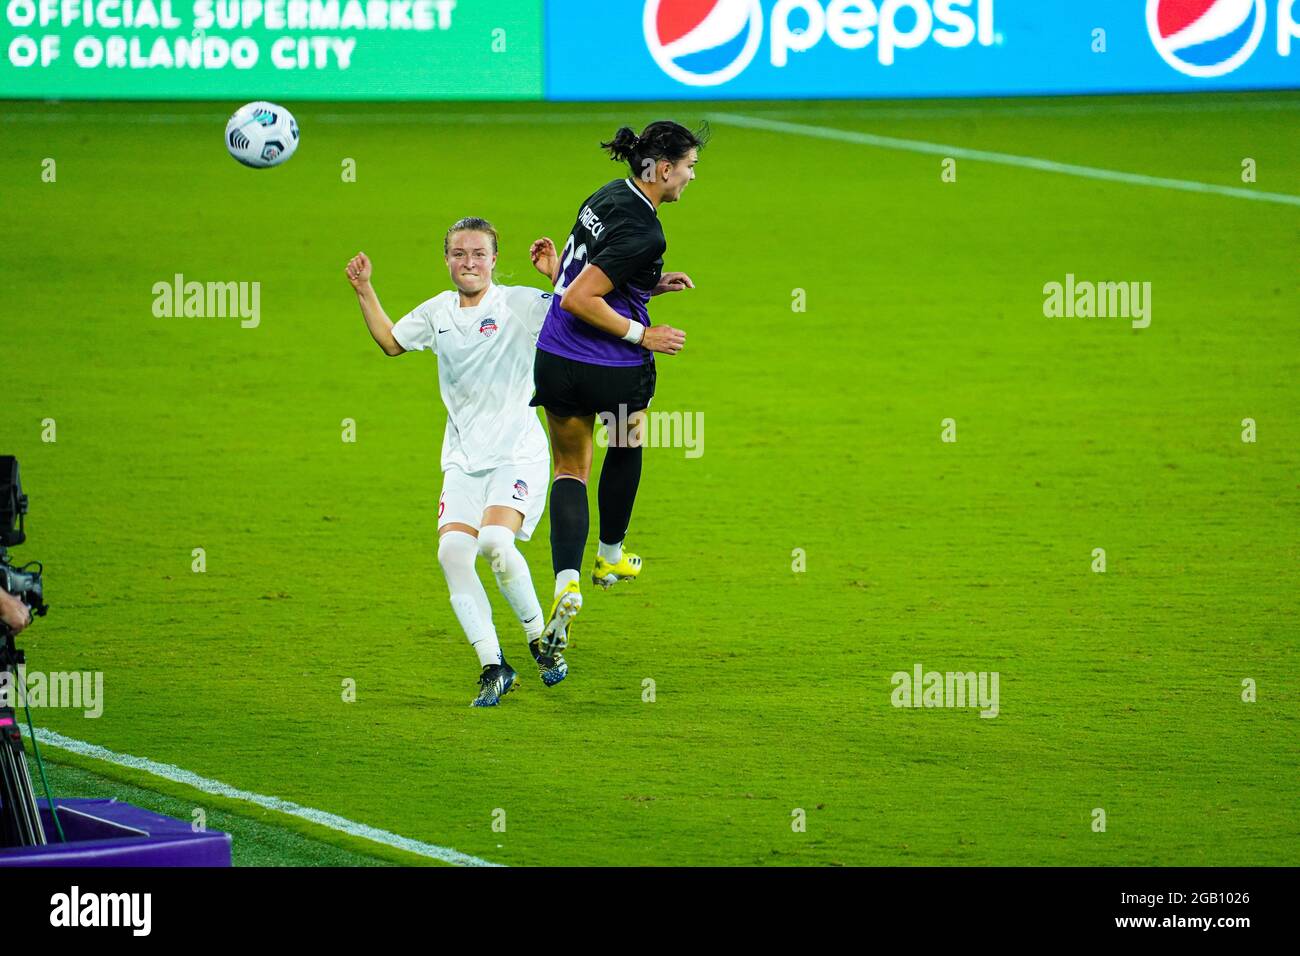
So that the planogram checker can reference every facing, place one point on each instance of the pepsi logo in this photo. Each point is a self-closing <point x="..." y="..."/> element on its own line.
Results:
<point x="1206" y="38"/>
<point x="703" y="42"/>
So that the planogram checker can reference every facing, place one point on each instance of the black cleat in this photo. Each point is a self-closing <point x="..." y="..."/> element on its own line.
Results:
<point x="553" y="666"/>
<point x="495" y="682"/>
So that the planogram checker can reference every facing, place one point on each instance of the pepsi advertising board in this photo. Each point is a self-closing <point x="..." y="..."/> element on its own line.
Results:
<point x="641" y="49"/>
<point x="776" y="49"/>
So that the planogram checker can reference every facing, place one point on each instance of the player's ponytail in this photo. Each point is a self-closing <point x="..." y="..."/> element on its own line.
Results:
<point x="623" y="146"/>
<point x="658" y="141"/>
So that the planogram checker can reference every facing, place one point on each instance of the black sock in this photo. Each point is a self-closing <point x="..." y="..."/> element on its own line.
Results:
<point x="619" y="478"/>
<point x="569" y="523"/>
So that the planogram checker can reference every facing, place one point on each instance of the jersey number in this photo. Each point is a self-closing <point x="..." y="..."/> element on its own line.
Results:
<point x="567" y="258"/>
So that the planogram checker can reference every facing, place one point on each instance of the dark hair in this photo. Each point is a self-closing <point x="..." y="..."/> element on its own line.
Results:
<point x="661" y="140"/>
<point x="469" y="224"/>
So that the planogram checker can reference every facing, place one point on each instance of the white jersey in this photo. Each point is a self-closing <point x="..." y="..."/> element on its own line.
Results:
<point x="485" y="373"/>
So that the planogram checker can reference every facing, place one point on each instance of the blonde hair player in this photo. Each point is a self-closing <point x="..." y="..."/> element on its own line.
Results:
<point x="495" y="461"/>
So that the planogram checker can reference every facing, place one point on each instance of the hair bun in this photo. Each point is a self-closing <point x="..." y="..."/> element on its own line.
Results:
<point x="660" y="140"/>
<point x="624" y="144"/>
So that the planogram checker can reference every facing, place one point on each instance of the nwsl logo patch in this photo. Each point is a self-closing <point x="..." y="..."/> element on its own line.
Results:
<point x="488" y="327"/>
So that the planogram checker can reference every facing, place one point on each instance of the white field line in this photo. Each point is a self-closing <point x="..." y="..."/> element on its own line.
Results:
<point x="217" y="788"/>
<point x="1005" y="159"/>
<point x="955" y="110"/>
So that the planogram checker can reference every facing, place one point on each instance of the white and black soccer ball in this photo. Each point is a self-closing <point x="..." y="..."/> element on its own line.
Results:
<point x="262" y="134"/>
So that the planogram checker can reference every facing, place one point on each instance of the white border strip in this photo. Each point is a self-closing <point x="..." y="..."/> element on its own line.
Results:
<point x="217" y="788"/>
<point x="1005" y="159"/>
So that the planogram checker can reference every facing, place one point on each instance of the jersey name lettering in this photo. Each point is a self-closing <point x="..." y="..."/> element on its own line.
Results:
<point x="591" y="221"/>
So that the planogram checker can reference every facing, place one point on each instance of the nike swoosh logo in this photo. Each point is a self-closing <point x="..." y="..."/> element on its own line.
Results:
<point x="440" y="331"/>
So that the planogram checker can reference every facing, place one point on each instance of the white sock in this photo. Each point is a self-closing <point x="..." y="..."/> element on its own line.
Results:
<point x="613" y="553"/>
<point x="481" y="600"/>
<point x="563" y="578"/>
<point x="497" y="544"/>
<point x="456" y="553"/>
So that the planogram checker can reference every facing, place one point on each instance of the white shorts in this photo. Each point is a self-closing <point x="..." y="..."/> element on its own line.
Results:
<point x="466" y="495"/>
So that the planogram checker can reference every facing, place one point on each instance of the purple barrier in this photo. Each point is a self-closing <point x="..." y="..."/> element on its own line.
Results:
<point x="109" y="833"/>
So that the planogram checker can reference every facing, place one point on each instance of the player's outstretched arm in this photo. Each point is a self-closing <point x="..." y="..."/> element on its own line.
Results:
<point x="380" y="325"/>
<point x="585" y="298"/>
<point x="545" y="259"/>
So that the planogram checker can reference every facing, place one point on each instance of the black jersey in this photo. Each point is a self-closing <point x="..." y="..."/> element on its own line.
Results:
<point x="618" y="231"/>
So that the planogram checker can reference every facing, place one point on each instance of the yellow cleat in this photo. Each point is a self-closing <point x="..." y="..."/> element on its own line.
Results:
<point x="559" y="628"/>
<point x="606" y="575"/>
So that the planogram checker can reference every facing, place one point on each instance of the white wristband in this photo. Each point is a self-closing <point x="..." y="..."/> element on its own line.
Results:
<point x="635" y="332"/>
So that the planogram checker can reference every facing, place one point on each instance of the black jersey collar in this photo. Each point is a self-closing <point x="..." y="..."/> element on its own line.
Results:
<point x="633" y="186"/>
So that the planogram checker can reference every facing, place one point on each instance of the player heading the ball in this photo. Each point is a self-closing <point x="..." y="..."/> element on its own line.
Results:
<point x="595" y="355"/>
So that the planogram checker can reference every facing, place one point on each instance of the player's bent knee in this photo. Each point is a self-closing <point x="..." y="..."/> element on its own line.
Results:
<point x="457" y="550"/>
<point x="493" y="540"/>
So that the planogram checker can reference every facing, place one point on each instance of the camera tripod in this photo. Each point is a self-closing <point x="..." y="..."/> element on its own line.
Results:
<point x="20" y="821"/>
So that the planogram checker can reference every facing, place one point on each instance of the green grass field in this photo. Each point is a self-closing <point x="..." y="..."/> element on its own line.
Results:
<point x="924" y="301"/>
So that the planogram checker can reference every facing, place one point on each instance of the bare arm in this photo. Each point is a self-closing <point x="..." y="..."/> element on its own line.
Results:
<point x="380" y="325"/>
<point x="545" y="259"/>
<point x="585" y="298"/>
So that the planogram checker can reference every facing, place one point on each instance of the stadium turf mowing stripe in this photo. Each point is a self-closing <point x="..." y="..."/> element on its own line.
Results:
<point x="1005" y="159"/>
<point x="333" y="821"/>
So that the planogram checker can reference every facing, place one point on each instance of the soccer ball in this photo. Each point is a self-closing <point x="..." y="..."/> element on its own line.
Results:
<point x="262" y="134"/>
